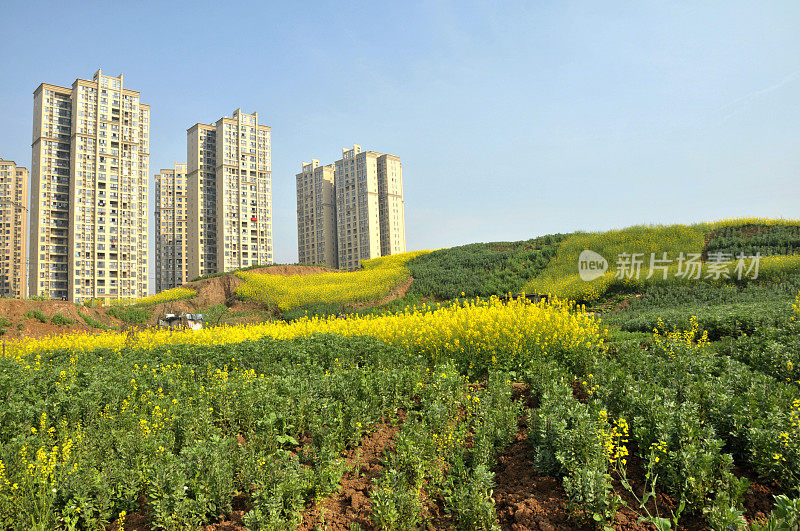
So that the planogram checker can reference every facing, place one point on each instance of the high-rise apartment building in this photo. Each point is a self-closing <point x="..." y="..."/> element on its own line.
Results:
<point x="316" y="215"/>
<point x="171" y="230"/>
<point x="369" y="212"/>
<point x="357" y="207"/>
<point x="13" y="229"/>
<point x="390" y="204"/>
<point x="201" y="182"/>
<point x="230" y="213"/>
<point x="89" y="191"/>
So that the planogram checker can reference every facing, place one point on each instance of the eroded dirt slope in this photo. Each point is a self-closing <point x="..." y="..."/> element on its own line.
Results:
<point x="18" y="317"/>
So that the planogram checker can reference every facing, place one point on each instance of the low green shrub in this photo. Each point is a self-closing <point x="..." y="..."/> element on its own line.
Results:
<point x="481" y="269"/>
<point x="751" y="238"/>
<point x="725" y="310"/>
<point x="725" y="320"/>
<point x="131" y="314"/>
<point x="319" y="309"/>
<point x="36" y="314"/>
<point x="94" y="323"/>
<point x="395" y="503"/>
<point x="61" y="319"/>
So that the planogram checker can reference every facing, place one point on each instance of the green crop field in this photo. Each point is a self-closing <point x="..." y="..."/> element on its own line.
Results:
<point x="622" y="403"/>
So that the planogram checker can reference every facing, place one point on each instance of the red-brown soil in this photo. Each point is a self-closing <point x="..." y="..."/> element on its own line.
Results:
<point x="234" y="521"/>
<point x="20" y="326"/>
<point x="615" y="305"/>
<point x="579" y="393"/>
<point x="136" y="521"/>
<point x="524" y="499"/>
<point x="759" y="500"/>
<point x="210" y="292"/>
<point x="351" y="504"/>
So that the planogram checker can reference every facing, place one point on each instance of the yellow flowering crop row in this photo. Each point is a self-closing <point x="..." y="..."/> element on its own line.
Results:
<point x="738" y="222"/>
<point x="173" y="294"/>
<point x="777" y="266"/>
<point x="480" y="328"/>
<point x="691" y="339"/>
<point x="613" y="435"/>
<point x="375" y="281"/>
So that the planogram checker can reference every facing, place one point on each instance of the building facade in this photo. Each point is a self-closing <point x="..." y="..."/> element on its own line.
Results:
<point x="89" y="191"/>
<point x="50" y="179"/>
<point x="230" y="223"/>
<point x="357" y="207"/>
<point x="201" y="168"/>
<point x="171" y="230"/>
<point x="316" y="215"/>
<point x="368" y="212"/>
<point x="390" y="205"/>
<point x="13" y="230"/>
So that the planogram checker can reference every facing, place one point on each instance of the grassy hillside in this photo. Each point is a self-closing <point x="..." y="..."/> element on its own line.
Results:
<point x="468" y="271"/>
<point x="774" y="239"/>
<point x="481" y="269"/>
<point x="561" y="278"/>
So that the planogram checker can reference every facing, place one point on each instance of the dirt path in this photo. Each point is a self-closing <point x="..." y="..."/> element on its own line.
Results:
<point x="526" y="500"/>
<point x="351" y="504"/>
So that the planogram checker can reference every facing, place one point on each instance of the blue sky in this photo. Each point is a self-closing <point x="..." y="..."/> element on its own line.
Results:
<point x="512" y="120"/>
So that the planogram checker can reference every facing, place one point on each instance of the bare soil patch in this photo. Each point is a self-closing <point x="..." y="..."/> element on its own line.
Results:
<point x="351" y="504"/>
<point x="525" y="499"/>
<point x="288" y="270"/>
<point x="20" y="326"/>
<point x="759" y="500"/>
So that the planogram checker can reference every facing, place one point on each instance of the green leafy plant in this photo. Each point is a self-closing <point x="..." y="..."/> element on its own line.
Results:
<point x="36" y="314"/>
<point x="61" y="320"/>
<point x="395" y="503"/>
<point x="785" y="516"/>
<point x="471" y="499"/>
<point x="94" y="323"/>
<point x="130" y="314"/>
